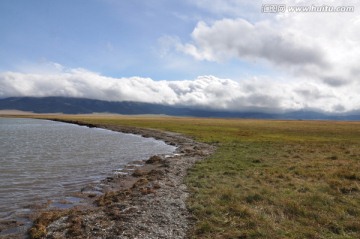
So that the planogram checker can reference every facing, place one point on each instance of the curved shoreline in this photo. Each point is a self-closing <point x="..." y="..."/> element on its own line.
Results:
<point x="149" y="203"/>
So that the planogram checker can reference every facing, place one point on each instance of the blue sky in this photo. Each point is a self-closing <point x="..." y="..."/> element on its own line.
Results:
<point x="273" y="61"/>
<point x="115" y="38"/>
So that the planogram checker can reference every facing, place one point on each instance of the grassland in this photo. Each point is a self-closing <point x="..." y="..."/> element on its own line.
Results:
<point x="268" y="179"/>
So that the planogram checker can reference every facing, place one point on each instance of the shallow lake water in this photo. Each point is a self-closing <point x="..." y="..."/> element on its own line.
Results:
<point x="42" y="160"/>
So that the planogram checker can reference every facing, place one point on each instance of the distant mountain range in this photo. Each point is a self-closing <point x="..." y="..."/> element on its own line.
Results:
<point x="86" y="106"/>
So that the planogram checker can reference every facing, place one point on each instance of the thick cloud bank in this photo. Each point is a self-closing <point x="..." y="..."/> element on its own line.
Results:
<point x="204" y="91"/>
<point x="239" y="38"/>
<point x="313" y="56"/>
<point x="321" y="46"/>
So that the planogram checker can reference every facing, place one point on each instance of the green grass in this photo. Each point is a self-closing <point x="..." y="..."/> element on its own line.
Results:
<point x="269" y="179"/>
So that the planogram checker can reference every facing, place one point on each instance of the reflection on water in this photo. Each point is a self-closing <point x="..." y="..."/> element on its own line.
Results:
<point x="42" y="160"/>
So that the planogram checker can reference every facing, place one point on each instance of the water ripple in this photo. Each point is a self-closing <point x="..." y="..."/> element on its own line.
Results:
<point x="42" y="159"/>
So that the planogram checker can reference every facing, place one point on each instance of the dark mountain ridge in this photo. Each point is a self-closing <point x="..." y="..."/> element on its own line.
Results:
<point x="87" y="106"/>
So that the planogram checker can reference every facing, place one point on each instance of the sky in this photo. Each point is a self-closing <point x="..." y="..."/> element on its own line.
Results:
<point x="220" y="54"/>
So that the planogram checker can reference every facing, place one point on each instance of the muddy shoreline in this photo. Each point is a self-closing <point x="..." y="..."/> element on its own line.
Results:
<point x="149" y="202"/>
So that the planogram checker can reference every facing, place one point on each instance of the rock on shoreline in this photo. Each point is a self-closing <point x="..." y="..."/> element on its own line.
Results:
<point x="149" y="203"/>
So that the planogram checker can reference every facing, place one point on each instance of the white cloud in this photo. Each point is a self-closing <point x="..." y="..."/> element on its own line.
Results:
<point x="238" y="38"/>
<point x="316" y="53"/>
<point x="204" y="91"/>
<point x="317" y="46"/>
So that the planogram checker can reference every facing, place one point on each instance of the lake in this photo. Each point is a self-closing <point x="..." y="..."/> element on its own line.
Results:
<point x="45" y="160"/>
